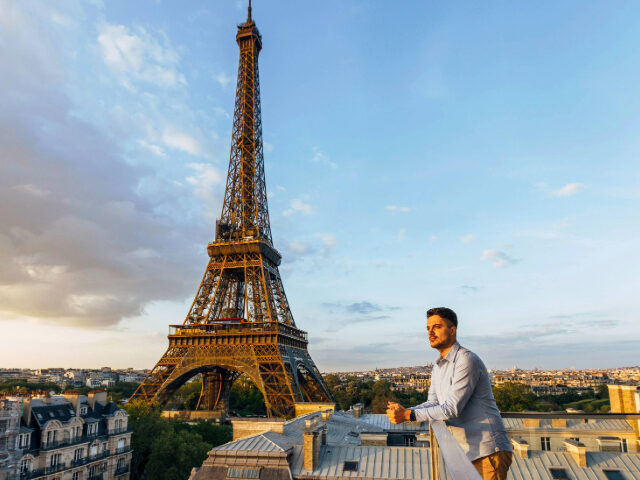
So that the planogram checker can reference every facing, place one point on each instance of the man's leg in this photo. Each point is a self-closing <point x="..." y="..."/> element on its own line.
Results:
<point x="494" y="466"/>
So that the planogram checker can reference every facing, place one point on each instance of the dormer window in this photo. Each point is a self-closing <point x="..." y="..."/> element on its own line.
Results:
<point x="83" y="410"/>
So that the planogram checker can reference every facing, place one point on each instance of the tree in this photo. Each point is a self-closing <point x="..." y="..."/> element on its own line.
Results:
<point x="174" y="455"/>
<point x="382" y="395"/>
<point x="148" y="426"/>
<point x="513" y="397"/>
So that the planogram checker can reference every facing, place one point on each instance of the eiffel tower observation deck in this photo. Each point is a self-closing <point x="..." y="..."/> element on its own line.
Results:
<point x="240" y="321"/>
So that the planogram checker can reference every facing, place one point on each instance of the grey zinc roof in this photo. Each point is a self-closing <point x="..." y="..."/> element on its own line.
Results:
<point x="536" y="467"/>
<point x="265" y="442"/>
<point x="594" y="425"/>
<point x="373" y="462"/>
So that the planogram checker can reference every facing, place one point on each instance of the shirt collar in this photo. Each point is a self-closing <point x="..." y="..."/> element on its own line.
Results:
<point x="451" y="354"/>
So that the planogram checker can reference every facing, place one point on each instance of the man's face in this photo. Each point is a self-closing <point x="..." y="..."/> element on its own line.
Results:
<point x="441" y="333"/>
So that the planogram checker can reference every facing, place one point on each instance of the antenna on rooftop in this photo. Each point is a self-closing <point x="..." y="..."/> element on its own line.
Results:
<point x="249" y="12"/>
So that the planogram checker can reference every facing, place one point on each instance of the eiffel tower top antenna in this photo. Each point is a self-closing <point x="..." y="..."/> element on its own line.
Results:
<point x="249" y="12"/>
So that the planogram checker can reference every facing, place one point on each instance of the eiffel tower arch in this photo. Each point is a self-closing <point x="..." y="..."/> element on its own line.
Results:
<point x="240" y="321"/>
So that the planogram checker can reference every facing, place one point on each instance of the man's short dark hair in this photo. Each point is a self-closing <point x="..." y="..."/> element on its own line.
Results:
<point x="445" y="313"/>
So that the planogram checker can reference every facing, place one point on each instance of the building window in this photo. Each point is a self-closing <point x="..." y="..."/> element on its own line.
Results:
<point x="75" y="476"/>
<point x="77" y="454"/>
<point x="24" y="440"/>
<point x="55" y="460"/>
<point x="577" y="439"/>
<point x="350" y="466"/>
<point x="545" y="443"/>
<point x="559" y="473"/>
<point x="613" y="474"/>
<point x="243" y="472"/>
<point x="625" y="449"/>
<point x="409" y="441"/>
<point x="92" y="429"/>
<point x="25" y="466"/>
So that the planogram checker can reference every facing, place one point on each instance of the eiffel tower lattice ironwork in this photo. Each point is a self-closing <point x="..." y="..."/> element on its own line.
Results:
<point x="240" y="321"/>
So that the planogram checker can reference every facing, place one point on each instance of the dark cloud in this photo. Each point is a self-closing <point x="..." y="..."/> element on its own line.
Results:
<point x="362" y="308"/>
<point x="78" y="244"/>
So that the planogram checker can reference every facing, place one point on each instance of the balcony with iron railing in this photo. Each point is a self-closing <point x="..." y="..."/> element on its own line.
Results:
<point x="119" y="431"/>
<point x="122" y="470"/>
<point x="65" y="443"/>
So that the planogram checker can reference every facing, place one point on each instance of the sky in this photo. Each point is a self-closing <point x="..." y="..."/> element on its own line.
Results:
<point x="476" y="155"/>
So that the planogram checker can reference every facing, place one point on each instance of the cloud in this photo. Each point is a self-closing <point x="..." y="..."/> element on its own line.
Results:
<point x="396" y="208"/>
<point x="364" y="307"/>
<point x="298" y="206"/>
<point x="32" y="190"/>
<point x="207" y="187"/>
<point x="498" y="258"/>
<point x="221" y="111"/>
<point x="140" y="56"/>
<point x="329" y="243"/>
<point x="155" y="149"/>
<point x="469" y="288"/>
<point x="79" y="244"/>
<point x="568" y="190"/>
<point x="182" y="141"/>
<point x="466" y="238"/>
<point x="401" y="233"/>
<point x="320" y="157"/>
<point x="222" y="78"/>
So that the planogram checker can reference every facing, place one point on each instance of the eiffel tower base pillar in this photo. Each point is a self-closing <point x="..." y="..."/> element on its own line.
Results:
<point x="216" y="388"/>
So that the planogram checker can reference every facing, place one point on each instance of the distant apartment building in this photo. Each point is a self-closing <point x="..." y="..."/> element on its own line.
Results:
<point x="71" y="437"/>
<point x="9" y="431"/>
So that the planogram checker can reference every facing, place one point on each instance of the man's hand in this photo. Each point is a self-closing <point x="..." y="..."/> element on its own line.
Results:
<point x="397" y="413"/>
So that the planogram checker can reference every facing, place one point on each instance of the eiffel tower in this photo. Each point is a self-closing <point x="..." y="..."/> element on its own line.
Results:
<point x="240" y="321"/>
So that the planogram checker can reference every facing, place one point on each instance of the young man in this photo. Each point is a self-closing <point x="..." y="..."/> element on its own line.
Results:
<point x="461" y="395"/>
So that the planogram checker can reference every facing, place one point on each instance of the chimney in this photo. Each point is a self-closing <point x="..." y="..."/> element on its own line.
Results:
<point x="311" y="450"/>
<point x="520" y="447"/>
<point x="357" y="410"/>
<point x="578" y="451"/>
<point x="74" y="399"/>
<point x="26" y="411"/>
<point x="97" y="396"/>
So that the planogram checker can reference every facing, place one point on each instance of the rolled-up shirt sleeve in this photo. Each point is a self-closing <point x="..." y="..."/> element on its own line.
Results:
<point x="463" y="382"/>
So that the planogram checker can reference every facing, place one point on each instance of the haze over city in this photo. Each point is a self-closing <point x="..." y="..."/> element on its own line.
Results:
<point x="472" y="156"/>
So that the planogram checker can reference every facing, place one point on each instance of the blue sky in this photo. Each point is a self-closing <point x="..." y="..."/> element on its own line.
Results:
<point x="418" y="154"/>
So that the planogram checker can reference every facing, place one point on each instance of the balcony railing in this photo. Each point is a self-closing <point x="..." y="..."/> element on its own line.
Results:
<point x="65" y="443"/>
<point x="41" y="472"/>
<point x="118" y="431"/>
<point x="96" y="476"/>
<point x="444" y="446"/>
<point x="122" y="450"/>
<point x="122" y="470"/>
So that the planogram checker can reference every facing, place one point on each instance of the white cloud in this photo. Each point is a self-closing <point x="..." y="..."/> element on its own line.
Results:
<point x="182" y="141"/>
<point x="268" y="147"/>
<point x="207" y="187"/>
<point x="329" y="243"/>
<point x="396" y="208"/>
<point x="320" y="157"/>
<point x="152" y="148"/>
<point x="140" y="56"/>
<point x="467" y="238"/>
<point x="298" y="206"/>
<point x="497" y="258"/>
<point x="401" y="233"/>
<point x="568" y="190"/>
<point x="223" y="79"/>
<point x="221" y="111"/>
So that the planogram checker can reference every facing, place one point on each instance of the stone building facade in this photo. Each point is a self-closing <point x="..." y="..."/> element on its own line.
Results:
<point x="72" y="437"/>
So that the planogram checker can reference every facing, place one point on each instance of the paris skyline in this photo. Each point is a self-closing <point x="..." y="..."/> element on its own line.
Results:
<point x="477" y="157"/>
